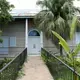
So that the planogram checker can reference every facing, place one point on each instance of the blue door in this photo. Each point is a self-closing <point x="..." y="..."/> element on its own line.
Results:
<point x="34" y="46"/>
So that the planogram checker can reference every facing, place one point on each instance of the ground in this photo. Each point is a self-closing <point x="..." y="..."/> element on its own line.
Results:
<point x="35" y="69"/>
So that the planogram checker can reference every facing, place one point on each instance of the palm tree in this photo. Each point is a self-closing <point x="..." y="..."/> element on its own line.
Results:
<point x="55" y="15"/>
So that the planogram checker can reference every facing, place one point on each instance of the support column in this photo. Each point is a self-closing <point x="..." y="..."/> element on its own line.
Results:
<point x="41" y="38"/>
<point x="26" y="33"/>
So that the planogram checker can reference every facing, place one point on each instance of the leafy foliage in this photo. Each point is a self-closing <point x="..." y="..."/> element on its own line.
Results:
<point x="5" y="17"/>
<point x="10" y="71"/>
<point x="57" y="67"/>
<point x="73" y="27"/>
<point x="70" y="58"/>
<point x="4" y="62"/>
<point x="55" y="15"/>
<point x="5" y="8"/>
<point x="71" y="54"/>
<point x="62" y="42"/>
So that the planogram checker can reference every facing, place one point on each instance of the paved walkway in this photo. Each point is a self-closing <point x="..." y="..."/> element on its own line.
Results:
<point x="35" y="69"/>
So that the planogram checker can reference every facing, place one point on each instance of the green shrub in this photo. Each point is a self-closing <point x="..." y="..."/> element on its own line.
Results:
<point x="4" y="62"/>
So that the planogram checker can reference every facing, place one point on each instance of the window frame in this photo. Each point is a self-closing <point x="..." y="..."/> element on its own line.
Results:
<point x="77" y="37"/>
<point x="14" y="41"/>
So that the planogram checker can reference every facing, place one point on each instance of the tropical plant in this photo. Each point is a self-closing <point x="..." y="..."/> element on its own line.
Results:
<point x="4" y="62"/>
<point x="70" y="53"/>
<point x="70" y="58"/>
<point x="5" y="8"/>
<point x="55" y="15"/>
<point x="5" y="17"/>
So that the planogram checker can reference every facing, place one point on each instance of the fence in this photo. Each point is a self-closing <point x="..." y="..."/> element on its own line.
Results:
<point x="56" y="51"/>
<point x="10" y="51"/>
<point x="58" y="69"/>
<point x="9" y="72"/>
<point x="52" y="49"/>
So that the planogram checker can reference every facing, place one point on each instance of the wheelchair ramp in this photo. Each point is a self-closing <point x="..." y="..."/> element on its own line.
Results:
<point x="35" y="69"/>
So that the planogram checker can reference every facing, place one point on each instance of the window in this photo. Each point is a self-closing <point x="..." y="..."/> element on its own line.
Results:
<point x="5" y="42"/>
<point x="8" y="41"/>
<point x="12" y="41"/>
<point x="1" y="45"/>
<point x="77" y="37"/>
<point x="34" y="33"/>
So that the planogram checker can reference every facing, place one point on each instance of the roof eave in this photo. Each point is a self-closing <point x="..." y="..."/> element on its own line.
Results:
<point x="23" y="16"/>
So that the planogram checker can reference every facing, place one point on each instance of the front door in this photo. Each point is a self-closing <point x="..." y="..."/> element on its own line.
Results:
<point x="34" y="46"/>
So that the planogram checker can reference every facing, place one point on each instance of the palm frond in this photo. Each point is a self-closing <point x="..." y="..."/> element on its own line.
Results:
<point x="44" y="19"/>
<point x="76" y="50"/>
<point x="62" y="42"/>
<point x="73" y="27"/>
<point x="60" y="25"/>
<point x="55" y="15"/>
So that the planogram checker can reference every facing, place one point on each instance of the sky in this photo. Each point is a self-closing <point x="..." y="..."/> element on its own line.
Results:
<point x="31" y="4"/>
<point x="77" y="3"/>
<point x="24" y="4"/>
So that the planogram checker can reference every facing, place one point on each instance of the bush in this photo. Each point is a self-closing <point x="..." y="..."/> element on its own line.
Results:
<point x="4" y="62"/>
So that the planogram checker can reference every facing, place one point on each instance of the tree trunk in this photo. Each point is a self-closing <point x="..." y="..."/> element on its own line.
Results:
<point x="61" y="52"/>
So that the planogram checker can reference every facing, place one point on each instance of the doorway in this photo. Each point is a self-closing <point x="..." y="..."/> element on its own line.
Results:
<point x="34" y="47"/>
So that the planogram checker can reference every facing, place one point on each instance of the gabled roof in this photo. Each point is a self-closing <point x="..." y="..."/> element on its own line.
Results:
<point x="23" y="13"/>
<point x="28" y="13"/>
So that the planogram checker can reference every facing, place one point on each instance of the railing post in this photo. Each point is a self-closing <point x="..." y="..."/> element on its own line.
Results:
<point x="25" y="54"/>
<point x="0" y="75"/>
<point x="78" y="77"/>
<point x="47" y="57"/>
<point x="74" y="76"/>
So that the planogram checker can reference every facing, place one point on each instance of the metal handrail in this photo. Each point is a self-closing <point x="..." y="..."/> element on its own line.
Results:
<point x="62" y="62"/>
<point x="10" y="62"/>
<point x="13" y="66"/>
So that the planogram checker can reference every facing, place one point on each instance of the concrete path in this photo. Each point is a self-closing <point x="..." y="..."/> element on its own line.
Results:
<point x="35" y="69"/>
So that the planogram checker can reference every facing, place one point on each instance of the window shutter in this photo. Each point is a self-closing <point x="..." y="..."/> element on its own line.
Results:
<point x="12" y="41"/>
